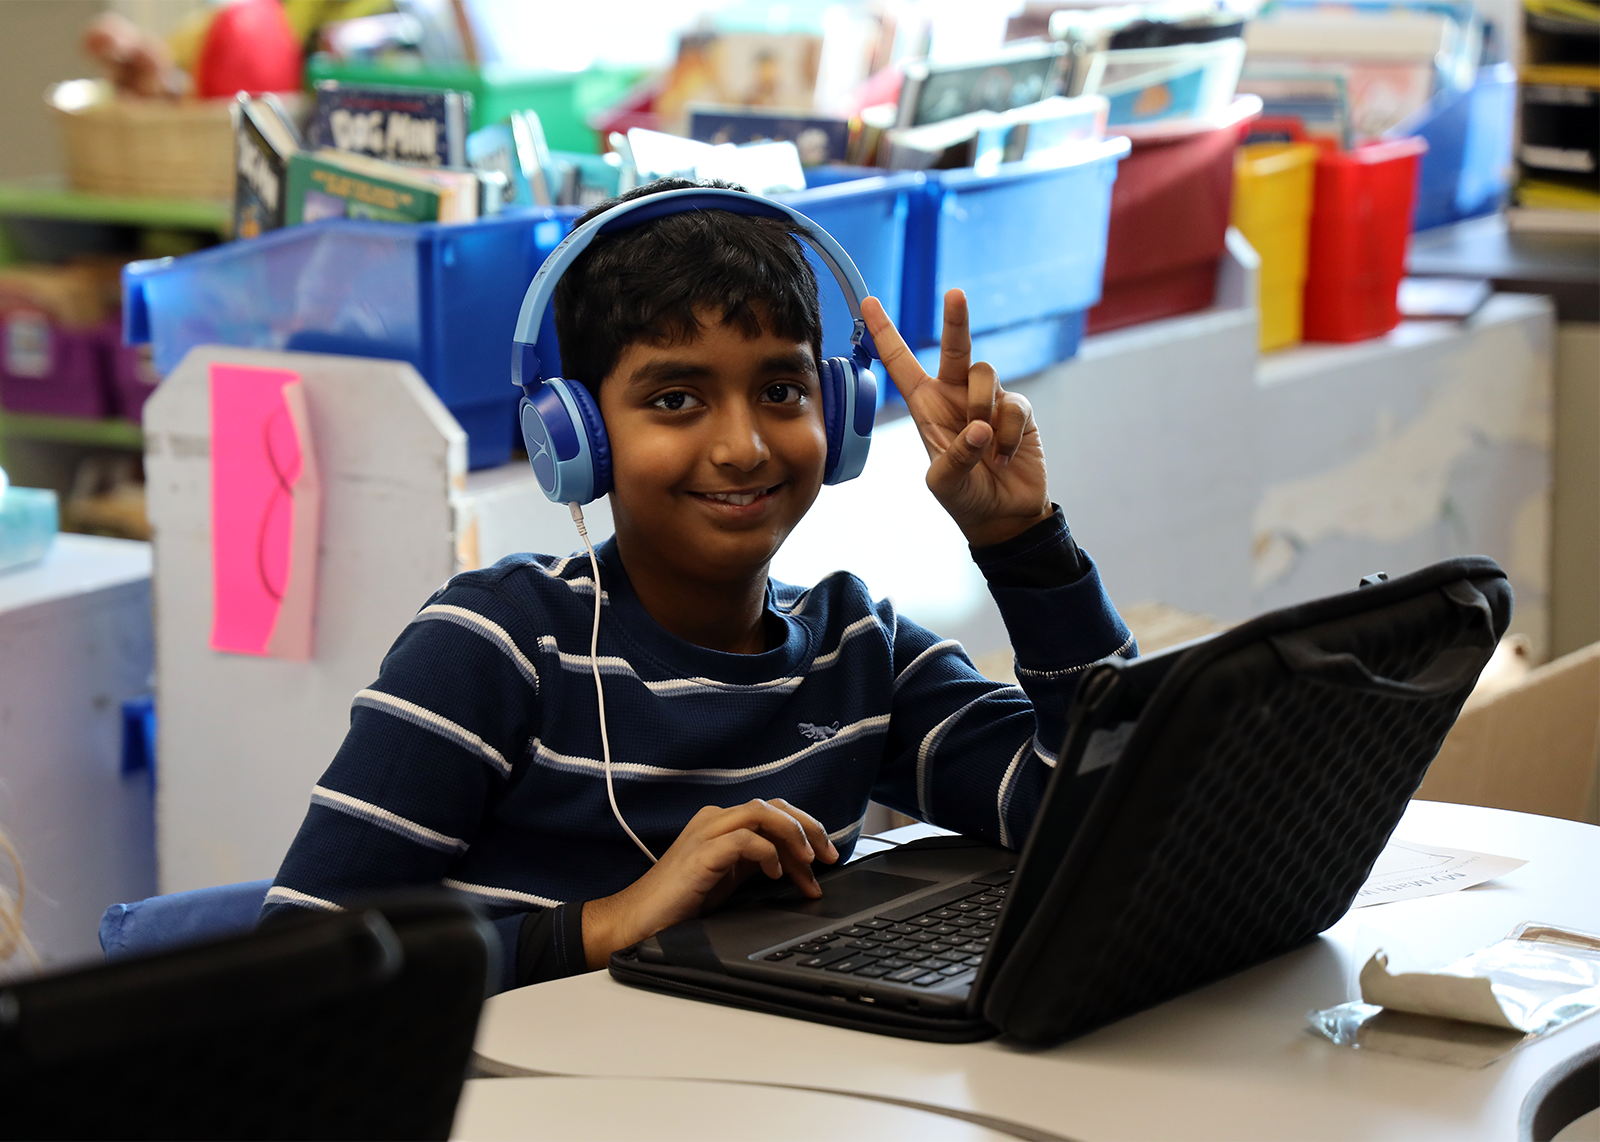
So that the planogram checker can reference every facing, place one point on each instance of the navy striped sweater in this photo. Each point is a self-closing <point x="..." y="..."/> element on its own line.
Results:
<point x="474" y="760"/>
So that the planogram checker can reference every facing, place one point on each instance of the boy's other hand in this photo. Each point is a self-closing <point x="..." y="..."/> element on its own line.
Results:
<point x="986" y="464"/>
<point x="717" y="850"/>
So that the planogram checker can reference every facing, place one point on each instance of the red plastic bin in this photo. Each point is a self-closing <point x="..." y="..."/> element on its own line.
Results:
<point x="49" y="368"/>
<point x="1169" y="220"/>
<point x="1360" y="223"/>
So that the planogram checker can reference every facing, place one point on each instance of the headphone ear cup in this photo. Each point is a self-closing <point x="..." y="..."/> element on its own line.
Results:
<point x="536" y="439"/>
<point x="566" y="441"/>
<point x="834" y="404"/>
<point x="599" y="443"/>
<point x="849" y="407"/>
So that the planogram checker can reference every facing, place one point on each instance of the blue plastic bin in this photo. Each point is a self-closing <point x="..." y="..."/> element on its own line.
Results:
<point x="1027" y="242"/>
<point x="1468" y="168"/>
<point x="443" y="297"/>
<point x="868" y="218"/>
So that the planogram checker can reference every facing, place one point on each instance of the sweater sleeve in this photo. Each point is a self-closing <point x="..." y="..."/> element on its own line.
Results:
<point x="431" y="745"/>
<point x="975" y="755"/>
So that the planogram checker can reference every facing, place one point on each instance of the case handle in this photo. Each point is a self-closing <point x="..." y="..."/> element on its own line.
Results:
<point x="1456" y="666"/>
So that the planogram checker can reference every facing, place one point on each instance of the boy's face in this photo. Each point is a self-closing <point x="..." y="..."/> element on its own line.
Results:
<point x="717" y="449"/>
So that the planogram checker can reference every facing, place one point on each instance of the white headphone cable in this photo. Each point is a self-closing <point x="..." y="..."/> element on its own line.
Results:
<point x="599" y="690"/>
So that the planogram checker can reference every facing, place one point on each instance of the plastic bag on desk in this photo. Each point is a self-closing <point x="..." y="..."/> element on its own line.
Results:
<point x="1537" y="980"/>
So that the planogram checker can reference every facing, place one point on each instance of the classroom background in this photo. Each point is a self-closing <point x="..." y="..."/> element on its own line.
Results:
<point x="1299" y="291"/>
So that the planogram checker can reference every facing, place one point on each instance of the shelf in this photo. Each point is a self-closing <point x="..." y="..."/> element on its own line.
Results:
<point x="72" y="430"/>
<point x="49" y="199"/>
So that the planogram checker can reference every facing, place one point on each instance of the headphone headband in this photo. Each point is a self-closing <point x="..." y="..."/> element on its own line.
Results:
<point x="526" y="368"/>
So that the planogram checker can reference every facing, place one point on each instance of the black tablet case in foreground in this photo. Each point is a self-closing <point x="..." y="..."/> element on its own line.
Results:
<point x="1257" y="775"/>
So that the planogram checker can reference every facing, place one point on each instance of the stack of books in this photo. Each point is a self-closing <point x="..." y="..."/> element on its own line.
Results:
<point x="1352" y="72"/>
<point x="1559" y="151"/>
<point x="377" y="152"/>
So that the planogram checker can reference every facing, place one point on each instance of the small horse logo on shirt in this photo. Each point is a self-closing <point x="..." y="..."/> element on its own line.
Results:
<point x="818" y="733"/>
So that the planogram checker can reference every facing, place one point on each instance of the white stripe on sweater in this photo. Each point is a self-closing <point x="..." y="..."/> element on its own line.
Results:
<point x="492" y="631"/>
<point x="581" y="584"/>
<point x="823" y="661"/>
<point x="840" y="834"/>
<point x="1004" y="795"/>
<point x="666" y="687"/>
<point x="916" y="663"/>
<point x="936" y="736"/>
<point x="278" y="894"/>
<point x="544" y="755"/>
<point x="501" y="895"/>
<point x="1044" y="755"/>
<point x="433" y="723"/>
<point x="679" y="687"/>
<point x="383" y="819"/>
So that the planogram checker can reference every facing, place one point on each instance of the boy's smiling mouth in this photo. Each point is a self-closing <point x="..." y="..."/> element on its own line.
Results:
<point x="741" y="498"/>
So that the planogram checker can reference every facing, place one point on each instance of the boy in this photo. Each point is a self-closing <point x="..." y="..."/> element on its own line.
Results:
<point x="750" y="721"/>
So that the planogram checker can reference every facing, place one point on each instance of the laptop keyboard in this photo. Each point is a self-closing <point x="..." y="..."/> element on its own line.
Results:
<point x="942" y="943"/>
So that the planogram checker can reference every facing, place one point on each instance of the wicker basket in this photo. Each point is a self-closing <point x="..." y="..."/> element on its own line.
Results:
<point x="148" y="147"/>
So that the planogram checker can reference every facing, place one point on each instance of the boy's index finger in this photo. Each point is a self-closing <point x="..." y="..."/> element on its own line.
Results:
<point x="955" y="342"/>
<point x="898" y="360"/>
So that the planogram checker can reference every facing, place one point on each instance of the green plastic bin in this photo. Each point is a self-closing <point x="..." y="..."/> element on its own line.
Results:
<point x="563" y="99"/>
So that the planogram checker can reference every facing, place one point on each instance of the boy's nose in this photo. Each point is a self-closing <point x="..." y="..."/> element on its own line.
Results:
<point x="738" y="442"/>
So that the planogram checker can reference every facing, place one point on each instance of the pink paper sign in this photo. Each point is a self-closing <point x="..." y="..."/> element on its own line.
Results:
<point x="265" y="511"/>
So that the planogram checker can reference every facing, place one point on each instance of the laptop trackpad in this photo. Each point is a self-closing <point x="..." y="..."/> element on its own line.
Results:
<point x="848" y="893"/>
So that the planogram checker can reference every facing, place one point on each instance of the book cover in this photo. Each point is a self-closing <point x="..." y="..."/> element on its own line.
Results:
<point x="324" y="184"/>
<point x="533" y="155"/>
<point x="492" y="148"/>
<point x="263" y="141"/>
<point x="819" y="138"/>
<point x="1014" y="77"/>
<point x="401" y="124"/>
<point x="506" y="152"/>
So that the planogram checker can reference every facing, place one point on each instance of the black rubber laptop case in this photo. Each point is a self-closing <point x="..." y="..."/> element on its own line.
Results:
<point x="1213" y="806"/>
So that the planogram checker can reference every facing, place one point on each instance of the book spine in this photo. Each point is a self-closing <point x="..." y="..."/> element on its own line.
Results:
<point x="456" y="107"/>
<point x="260" y="194"/>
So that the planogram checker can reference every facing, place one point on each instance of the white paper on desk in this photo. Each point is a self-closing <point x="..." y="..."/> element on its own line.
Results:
<point x="1406" y="870"/>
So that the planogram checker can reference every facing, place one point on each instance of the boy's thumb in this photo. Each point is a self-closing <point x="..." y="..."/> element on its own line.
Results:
<point x="965" y="451"/>
<point x="974" y="440"/>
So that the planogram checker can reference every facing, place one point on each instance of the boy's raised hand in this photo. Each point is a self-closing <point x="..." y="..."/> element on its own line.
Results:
<point x="986" y="465"/>
<point x="717" y="850"/>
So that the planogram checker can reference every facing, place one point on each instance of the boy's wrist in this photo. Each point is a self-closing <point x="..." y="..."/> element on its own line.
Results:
<point x="601" y="931"/>
<point x="991" y="532"/>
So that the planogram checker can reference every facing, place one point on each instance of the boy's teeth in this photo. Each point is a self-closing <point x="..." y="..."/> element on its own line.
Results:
<point x="742" y="499"/>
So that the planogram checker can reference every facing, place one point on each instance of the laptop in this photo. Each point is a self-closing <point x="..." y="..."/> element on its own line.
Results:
<point x="1213" y="805"/>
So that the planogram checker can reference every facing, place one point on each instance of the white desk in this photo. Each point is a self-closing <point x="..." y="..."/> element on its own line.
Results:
<point x="1233" y="1060"/>
<point x="75" y="643"/>
<point x="693" y="1110"/>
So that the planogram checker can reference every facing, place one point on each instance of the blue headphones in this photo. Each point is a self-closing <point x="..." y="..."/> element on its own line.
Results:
<point x="560" y="420"/>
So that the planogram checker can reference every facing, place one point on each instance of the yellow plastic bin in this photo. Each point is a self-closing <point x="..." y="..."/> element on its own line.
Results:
<point x="1272" y="208"/>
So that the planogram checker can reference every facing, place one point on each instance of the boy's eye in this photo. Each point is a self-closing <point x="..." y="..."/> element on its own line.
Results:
<point x="785" y="393"/>
<point x="675" y="402"/>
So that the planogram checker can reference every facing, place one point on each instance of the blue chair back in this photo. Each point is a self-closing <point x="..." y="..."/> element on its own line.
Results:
<point x="180" y="918"/>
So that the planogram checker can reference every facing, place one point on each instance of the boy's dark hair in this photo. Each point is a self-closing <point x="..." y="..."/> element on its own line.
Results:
<point x="644" y="283"/>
